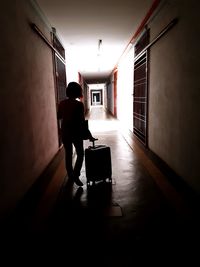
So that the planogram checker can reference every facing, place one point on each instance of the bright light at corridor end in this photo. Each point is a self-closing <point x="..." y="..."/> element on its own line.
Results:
<point x="103" y="126"/>
<point x="99" y="123"/>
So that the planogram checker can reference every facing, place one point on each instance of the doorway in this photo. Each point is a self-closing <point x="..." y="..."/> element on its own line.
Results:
<point x="96" y="97"/>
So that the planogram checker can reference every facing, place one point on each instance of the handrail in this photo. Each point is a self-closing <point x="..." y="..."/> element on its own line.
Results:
<point x="39" y="32"/>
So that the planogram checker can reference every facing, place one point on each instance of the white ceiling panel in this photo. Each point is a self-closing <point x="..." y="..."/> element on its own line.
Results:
<point x="81" y="24"/>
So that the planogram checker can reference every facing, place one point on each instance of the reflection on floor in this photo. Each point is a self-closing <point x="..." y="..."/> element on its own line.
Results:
<point x="137" y="219"/>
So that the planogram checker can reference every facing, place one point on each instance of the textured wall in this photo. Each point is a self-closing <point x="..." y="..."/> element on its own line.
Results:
<point x="27" y="102"/>
<point x="174" y="91"/>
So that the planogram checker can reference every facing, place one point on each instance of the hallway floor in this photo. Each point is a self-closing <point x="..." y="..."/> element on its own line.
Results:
<point x="137" y="219"/>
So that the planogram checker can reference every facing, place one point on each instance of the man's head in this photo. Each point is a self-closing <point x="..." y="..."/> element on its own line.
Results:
<point x="74" y="90"/>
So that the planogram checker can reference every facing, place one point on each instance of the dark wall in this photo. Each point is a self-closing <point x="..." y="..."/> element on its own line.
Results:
<point x="174" y="91"/>
<point x="28" y="133"/>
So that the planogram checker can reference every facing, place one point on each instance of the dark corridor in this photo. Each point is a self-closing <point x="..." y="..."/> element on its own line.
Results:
<point x="137" y="219"/>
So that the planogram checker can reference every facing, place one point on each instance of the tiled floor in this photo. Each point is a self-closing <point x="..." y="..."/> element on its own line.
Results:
<point x="138" y="219"/>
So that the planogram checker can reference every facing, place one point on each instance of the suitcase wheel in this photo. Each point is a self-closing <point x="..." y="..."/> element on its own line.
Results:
<point x="93" y="182"/>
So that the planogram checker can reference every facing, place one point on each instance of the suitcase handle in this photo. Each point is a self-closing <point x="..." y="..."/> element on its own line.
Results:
<point x="93" y="141"/>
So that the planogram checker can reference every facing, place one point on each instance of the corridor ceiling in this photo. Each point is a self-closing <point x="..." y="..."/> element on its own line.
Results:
<point x="81" y="24"/>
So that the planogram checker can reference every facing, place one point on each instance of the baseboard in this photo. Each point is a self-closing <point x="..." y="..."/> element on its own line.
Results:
<point x="176" y="181"/>
<point x="173" y="178"/>
<point x="26" y="207"/>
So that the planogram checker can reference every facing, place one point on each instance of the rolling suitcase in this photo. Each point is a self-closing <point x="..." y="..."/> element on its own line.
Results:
<point x="98" y="164"/>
